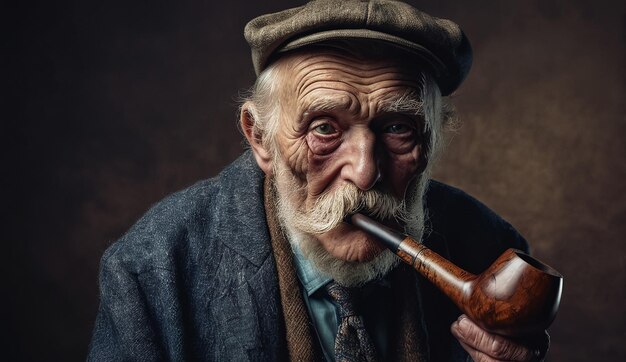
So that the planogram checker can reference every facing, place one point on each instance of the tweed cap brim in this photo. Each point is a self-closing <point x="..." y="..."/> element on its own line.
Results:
<point x="439" y="43"/>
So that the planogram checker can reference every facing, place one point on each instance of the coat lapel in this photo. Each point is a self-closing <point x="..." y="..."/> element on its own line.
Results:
<point x="251" y="313"/>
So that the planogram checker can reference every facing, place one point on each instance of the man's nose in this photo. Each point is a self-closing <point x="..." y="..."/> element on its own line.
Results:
<point x="362" y="166"/>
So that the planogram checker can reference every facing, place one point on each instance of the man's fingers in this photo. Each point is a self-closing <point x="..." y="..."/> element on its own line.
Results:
<point x="491" y="345"/>
<point x="477" y="356"/>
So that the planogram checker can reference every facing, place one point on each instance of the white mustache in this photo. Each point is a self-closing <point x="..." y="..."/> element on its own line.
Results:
<point x="331" y="208"/>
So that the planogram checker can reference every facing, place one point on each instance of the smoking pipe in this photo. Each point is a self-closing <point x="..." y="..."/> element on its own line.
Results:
<point x="516" y="296"/>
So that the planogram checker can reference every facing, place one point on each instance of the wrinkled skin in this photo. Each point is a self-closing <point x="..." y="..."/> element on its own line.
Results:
<point x="487" y="347"/>
<point x="336" y="127"/>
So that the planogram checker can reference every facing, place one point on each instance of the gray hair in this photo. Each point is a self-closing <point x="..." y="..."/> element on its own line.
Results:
<point x="266" y="111"/>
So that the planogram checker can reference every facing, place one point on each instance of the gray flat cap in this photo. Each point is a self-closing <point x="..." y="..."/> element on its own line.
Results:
<point x="440" y="43"/>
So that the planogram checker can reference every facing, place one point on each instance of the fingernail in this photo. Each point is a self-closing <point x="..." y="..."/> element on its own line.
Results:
<point x="463" y="322"/>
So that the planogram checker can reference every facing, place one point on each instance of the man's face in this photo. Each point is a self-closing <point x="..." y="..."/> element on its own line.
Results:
<point x="346" y="121"/>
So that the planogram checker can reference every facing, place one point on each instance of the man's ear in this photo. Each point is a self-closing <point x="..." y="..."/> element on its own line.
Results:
<point x="247" y="118"/>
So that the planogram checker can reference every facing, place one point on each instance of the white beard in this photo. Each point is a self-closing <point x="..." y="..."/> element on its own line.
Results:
<point x="330" y="209"/>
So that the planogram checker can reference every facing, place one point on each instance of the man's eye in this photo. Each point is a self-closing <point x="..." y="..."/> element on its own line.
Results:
<point x="325" y="129"/>
<point x="398" y="128"/>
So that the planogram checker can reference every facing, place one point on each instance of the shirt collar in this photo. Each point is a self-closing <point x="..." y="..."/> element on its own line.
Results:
<point x="311" y="278"/>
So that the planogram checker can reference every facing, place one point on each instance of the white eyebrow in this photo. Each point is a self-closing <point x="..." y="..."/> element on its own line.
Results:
<point x="408" y="103"/>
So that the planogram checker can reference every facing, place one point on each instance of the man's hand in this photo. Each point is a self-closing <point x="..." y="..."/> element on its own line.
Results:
<point x="483" y="346"/>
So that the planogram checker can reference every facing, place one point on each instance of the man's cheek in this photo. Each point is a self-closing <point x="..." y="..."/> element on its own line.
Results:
<point x="294" y="152"/>
<point x="322" y="171"/>
<point x="401" y="170"/>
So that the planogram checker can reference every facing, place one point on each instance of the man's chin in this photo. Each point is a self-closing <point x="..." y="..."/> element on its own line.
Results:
<point x="352" y="259"/>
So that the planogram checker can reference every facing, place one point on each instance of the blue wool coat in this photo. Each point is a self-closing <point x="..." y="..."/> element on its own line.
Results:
<point x="195" y="278"/>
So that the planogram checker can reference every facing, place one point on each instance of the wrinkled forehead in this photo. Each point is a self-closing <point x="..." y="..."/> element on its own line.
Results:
<point x="379" y="72"/>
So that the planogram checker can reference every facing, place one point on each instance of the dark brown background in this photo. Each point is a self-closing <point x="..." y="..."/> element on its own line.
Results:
<point x="112" y="105"/>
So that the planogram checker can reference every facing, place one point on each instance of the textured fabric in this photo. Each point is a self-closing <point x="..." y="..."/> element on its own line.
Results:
<point x="195" y="278"/>
<point x="352" y="343"/>
<point x="408" y="335"/>
<point x="390" y="309"/>
<point x="320" y="307"/>
<point x="439" y="42"/>
<point x="301" y="342"/>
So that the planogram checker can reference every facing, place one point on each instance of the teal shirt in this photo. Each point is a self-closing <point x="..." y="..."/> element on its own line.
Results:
<point x="324" y="314"/>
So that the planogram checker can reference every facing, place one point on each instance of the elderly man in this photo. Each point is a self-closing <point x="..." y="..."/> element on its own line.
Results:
<point x="257" y="264"/>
